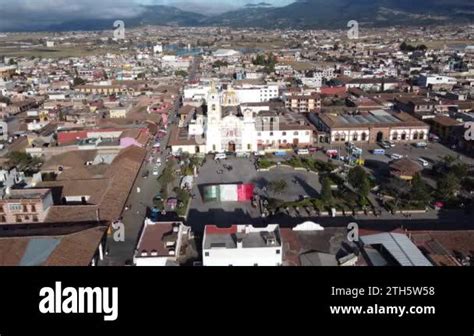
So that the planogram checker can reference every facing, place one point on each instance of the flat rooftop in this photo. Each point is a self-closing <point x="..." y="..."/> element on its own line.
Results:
<point x="228" y="238"/>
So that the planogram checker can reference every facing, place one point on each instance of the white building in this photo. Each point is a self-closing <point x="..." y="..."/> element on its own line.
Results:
<point x="234" y="127"/>
<point x="427" y="80"/>
<point x="242" y="245"/>
<point x="247" y="93"/>
<point x="196" y="92"/>
<point x="158" y="49"/>
<point x="176" y="63"/>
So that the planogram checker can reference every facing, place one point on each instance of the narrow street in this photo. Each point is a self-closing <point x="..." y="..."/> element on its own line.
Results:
<point x="121" y="253"/>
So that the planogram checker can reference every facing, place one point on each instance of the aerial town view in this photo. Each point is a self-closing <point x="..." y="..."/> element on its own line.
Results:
<point x="237" y="133"/>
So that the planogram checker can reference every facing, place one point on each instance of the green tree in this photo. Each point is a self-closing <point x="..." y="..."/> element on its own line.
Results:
<point x="24" y="161"/>
<point x="278" y="186"/>
<point x="448" y="185"/>
<point x="356" y="176"/>
<point x="419" y="191"/>
<point x="181" y="73"/>
<point x="79" y="81"/>
<point x="326" y="191"/>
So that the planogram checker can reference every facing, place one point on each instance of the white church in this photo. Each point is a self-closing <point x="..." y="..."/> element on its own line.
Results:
<point x="233" y="127"/>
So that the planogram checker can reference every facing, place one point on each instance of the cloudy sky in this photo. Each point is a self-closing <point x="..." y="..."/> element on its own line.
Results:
<point x="24" y="13"/>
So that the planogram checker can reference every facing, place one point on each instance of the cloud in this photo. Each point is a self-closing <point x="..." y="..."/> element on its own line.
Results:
<point x="37" y="14"/>
<point x="22" y="14"/>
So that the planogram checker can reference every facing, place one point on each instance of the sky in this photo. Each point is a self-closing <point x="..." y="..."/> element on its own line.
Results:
<point x="14" y="13"/>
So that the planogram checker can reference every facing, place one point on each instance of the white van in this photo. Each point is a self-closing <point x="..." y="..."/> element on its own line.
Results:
<point x="220" y="156"/>
<point x="423" y="162"/>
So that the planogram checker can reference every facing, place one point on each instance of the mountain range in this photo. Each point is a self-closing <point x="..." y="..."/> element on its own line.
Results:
<point x="302" y="14"/>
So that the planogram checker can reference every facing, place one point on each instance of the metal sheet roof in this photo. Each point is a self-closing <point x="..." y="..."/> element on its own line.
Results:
<point x="400" y="247"/>
<point x="38" y="250"/>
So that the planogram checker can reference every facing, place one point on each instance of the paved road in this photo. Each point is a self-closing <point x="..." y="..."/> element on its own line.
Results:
<point x="121" y="253"/>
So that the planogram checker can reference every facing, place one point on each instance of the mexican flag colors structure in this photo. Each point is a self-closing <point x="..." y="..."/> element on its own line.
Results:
<point x="228" y="192"/>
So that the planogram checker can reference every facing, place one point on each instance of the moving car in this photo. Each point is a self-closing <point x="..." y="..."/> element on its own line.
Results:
<point x="156" y="171"/>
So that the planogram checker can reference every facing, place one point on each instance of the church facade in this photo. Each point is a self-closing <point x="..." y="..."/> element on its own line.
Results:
<point x="232" y="127"/>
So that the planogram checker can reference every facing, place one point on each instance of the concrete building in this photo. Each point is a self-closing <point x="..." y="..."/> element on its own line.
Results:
<point x="436" y="81"/>
<point x="242" y="245"/>
<point x="160" y="244"/>
<point x="25" y="205"/>
<point x="371" y="127"/>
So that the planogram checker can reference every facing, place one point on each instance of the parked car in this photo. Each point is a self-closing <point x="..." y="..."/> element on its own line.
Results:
<point x="303" y="151"/>
<point x="243" y="155"/>
<point x="145" y="174"/>
<point x="332" y="153"/>
<point x="259" y="153"/>
<point x="158" y="162"/>
<point x="385" y="145"/>
<point x="220" y="156"/>
<point x="423" y="162"/>
<point x="396" y="156"/>
<point x="421" y="145"/>
<point x="378" y="151"/>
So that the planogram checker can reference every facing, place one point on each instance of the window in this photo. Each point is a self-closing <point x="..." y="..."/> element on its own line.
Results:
<point x="307" y="133"/>
<point x="18" y="219"/>
<point x="35" y="218"/>
<point x="255" y="264"/>
<point x="284" y="141"/>
<point x="337" y="137"/>
<point x="364" y="136"/>
<point x="214" y="107"/>
<point x="1" y="209"/>
<point x="415" y="136"/>
<point x="206" y="254"/>
<point x="284" y="133"/>
<point x="277" y="251"/>
<point x="271" y="133"/>
<point x="296" y="133"/>
<point x="3" y="219"/>
<point x="404" y="136"/>
<point x="422" y="135"/>
<point x="395" y="136"/>
<point x="355" y="137"/>
<point x="15" y="207"/>
<point x="25" y="208"/>
<point x="249" y="147"/>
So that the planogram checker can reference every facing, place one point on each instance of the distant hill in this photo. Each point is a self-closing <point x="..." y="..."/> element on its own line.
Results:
<point x="336" y="13"/>
<point x="152" y="15"/>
